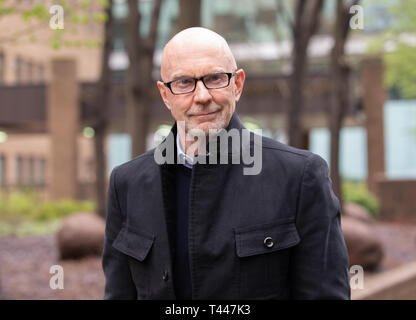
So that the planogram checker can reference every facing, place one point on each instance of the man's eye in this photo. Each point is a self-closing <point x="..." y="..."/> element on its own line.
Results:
<point x="184" y="82"/>
<point x="213" y="78"/>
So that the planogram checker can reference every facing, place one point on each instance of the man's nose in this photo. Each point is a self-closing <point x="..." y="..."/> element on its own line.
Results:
<point x="202" y="94"/>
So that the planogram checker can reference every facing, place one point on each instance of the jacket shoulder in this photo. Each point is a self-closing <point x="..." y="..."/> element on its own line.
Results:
<point x="141" y="163"/>
<point x="274" y="146"/>
<point x="290" y="156"/>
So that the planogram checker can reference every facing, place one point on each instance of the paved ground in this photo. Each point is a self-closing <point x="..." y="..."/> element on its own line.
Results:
<point x="24" y="271"/>
<point x="25" y="263"/>
<point x="399" y="241"/>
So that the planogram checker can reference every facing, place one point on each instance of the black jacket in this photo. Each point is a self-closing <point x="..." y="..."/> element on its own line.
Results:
<point x="275" y="235"/>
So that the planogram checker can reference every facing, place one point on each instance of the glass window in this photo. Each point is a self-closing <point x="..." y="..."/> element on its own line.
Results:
<point x="31" y="177"/>
<point x="18" y="70"/>
<point x="2" y="64"/>
<point x="42" y="172"/>
<point x="120" y="9"/>
<point x="29" y="71"/>
<point x="41" y="73"/>
<point x="19" y="171"/>
<point x="2" y="171"/>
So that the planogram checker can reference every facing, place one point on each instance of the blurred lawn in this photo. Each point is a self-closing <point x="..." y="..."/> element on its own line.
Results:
<point x="28" y="213"/>
<point x="29" y="228"/>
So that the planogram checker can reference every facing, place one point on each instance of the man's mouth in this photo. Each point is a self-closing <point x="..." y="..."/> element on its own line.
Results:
<point x="205" y="114"/>
<point x="203" y="117"/>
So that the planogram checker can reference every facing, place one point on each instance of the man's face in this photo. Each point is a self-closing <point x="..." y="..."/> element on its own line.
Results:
<point x="203" y="108"/>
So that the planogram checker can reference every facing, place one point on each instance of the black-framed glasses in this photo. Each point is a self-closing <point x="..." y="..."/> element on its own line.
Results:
<point x="211" y="81"/>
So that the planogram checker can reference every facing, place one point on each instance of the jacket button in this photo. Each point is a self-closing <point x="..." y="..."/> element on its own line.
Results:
<point x="165" y="275"/>
<point x="268" y="242"/>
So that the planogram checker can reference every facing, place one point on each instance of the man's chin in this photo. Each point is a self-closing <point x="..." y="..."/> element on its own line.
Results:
<point x="207" y="126"/>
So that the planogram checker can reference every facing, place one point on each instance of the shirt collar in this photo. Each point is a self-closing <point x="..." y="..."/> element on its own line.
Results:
<point x="186" y="160"/>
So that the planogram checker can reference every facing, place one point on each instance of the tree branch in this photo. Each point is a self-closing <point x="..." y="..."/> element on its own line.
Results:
<point x="297" y="26"/>
<point x="151" y="39"/>
<point x="284" y="14"/>
<point x="313" y="22"/>
<point x="133" y="32"/>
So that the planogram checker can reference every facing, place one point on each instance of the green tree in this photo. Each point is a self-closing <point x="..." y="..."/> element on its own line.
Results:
<point x="401" y="70"/>
<point x="36" y="17"/>
<point x="401" y="61"/>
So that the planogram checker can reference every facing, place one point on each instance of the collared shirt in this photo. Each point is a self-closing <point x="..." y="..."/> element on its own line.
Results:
<point x="185" y="159"/>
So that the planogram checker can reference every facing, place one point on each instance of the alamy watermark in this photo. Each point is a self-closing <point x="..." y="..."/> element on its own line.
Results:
<point x="57" y="280"/>
<point x="357" y="277"/>
<point x="240" y="148"/>
<point x="357" y="20"/>
<point x="56" y="22"/>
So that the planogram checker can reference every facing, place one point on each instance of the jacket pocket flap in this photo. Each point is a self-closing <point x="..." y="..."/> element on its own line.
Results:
<point x="133" y="244"/>
<point x="266" y="238"/>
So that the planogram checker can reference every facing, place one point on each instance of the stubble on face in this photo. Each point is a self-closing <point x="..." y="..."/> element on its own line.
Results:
<point x="218" y="123"/>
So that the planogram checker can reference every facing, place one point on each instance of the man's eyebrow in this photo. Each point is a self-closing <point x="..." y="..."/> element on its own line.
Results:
<point x="217" y="70"/>
<point x="183" y="75"/>
<point x="180" y="76"/>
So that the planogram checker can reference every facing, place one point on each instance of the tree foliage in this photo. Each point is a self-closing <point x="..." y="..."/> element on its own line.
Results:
<point x="401" y="60"/>
<point x="36" y="18"/>
<point x="401" y="70"/>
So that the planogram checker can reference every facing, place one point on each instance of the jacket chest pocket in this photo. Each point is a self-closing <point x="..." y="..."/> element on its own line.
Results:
<point x="136" y="246"/>
<point x="263" y="252"/>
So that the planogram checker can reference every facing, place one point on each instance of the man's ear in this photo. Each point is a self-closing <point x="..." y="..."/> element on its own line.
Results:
<point x="240" y="77"/>
<point x="163" y="90"/>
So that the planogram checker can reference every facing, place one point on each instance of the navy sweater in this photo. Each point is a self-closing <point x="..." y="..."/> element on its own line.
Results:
<point x="181" y="268"/>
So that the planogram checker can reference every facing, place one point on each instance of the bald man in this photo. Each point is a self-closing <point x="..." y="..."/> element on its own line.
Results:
<point x="197" y="225"/>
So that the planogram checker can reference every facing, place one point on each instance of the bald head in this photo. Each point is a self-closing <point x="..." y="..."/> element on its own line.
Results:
<point x="195" y="42"/>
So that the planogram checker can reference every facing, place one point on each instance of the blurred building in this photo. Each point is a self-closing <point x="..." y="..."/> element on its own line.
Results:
<point x="26" y="50"/>
<point x="260" y="40"/>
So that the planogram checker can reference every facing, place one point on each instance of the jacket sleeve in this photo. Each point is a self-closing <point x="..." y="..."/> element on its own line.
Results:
<point x="119" y="283"/>
<point x="319" y="264"/>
